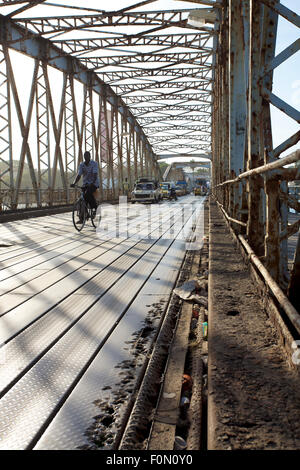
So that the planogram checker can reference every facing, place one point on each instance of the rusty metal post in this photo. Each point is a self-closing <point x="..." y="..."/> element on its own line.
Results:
<point x="255" y="228"/>
<point x="272" y="240"/>
<point x="119" y="151"/>
<point x="139" y="144"/>
<point x="238" y="58"/>
<point x="224" y="93"/>
<point x="109" y="122"/>
<point x="6" y="134"/>
<point x="283" y="265"/>
<point x="69" y="136"/>
<point x="57" y="128"/>
<point x="96" y="129"/>
<point x="89" y="126"/>
<point x="103" y="136"/>
<point x="24" y="127"/>
<point x="135" y="153"/>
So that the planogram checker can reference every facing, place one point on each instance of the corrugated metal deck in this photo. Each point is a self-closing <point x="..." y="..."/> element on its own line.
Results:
<point x="69" y="302"/>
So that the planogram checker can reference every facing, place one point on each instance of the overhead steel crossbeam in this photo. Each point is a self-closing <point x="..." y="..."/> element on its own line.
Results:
<point x="57" y="24"/>
<point x="191" y="40"/>
<point x="199" y="97"/>
<point x="178" y="138"/>
<point x="149" y="68"/>
<point x="197" y="58"/>
<point x="185" y="118"/>
<point x="138" y="74"/>
<point x="156" y="130"/>
<point x="186" y="85"/>
<point x="154" y="109"/>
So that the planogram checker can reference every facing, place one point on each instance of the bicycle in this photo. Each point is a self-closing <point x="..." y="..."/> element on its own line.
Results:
<point x="83" y="212"/>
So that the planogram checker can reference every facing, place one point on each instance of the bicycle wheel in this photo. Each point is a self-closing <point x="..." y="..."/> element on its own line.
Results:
<point x="79" y="214"/>
<point x="96" y="220"/>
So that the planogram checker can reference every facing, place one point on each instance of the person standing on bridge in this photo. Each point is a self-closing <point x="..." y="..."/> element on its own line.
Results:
<point x="89" y="170"/>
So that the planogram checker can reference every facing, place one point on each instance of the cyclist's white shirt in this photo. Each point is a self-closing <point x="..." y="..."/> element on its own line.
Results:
<point x="87" y="171"/>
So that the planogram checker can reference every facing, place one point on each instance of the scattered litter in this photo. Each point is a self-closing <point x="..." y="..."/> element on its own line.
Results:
<point x="190" y="291"/>
<point x="204" y="327"/>
<point x="199" y="299"/>
<point x="185" y="291"/>
<point x="184" y="402"/>
<point x="169" y="395"/>
<point x="187" y="382"/>
<point x="196" y="312"/>
<point x="180" y="444"/>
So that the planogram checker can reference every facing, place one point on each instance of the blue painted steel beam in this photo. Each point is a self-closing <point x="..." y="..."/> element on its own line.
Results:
<point x="237" y="87"/>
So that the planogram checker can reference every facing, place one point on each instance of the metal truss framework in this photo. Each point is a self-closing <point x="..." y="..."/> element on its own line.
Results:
<point x="135" y="68"/>
<point x="250" y="178"/>
<point x="138" y="85"/>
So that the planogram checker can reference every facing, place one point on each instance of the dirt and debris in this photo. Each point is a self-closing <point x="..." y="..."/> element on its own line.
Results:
<point x="252" y="394"/>
<point x="106" y="424"/>
<point x="254" y="397"/>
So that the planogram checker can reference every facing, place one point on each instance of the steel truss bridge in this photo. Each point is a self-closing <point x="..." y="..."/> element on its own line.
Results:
<point x="143" y="81"/>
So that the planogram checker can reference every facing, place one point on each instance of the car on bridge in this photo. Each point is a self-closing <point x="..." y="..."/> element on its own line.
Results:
<point x="146" y="190"/>
<point x="200" y="190"/>
<point x="180" y="190"/>
<point x="165" y="188"/>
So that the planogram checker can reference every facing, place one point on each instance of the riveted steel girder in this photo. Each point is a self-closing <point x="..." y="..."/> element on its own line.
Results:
<point x="55" y="24"/>
<point x="256" y="201"/>
<point x="187" y="40"/>
<point x="116" y="75"/>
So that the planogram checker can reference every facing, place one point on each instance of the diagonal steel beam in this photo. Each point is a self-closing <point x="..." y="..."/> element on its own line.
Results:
<point x="187" y="40"/>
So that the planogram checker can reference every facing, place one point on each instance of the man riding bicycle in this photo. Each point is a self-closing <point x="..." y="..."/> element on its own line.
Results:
<point x="89" y="170"/>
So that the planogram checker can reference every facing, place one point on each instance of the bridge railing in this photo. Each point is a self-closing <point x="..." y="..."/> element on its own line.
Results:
<point x="27" y="198"/>
<point x="234" y="198"/>
<point x="250" y="178"/>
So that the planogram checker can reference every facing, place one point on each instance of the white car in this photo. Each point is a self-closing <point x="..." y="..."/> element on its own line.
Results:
<point x="145" y="192"/>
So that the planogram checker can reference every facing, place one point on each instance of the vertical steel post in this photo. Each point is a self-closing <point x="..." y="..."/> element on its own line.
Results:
<point x="69" y="133"/>
<point x="6" y="154"/>
<point x="89" y="128"/>
<point x="111" y="152"/>
<point x="119" y="151"/>
<point x="255" y="226"/>
<point x="135" y="153"/>
<point x="283" y="261"/>
<point x="24" y="127"/>
<point x="237" y="97"/>
<point x="272" y="244"/>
